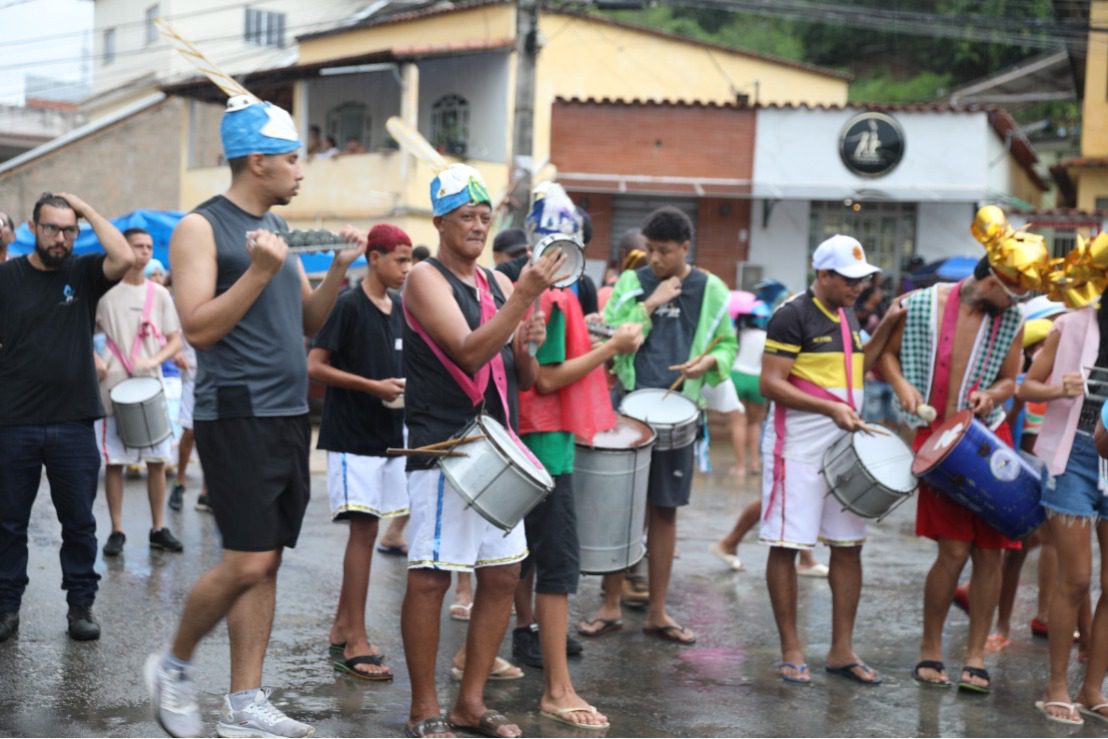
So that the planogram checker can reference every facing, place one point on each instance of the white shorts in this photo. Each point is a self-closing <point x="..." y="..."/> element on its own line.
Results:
<point x="803" y="513"/>
<point x="188" y="398"/>
<point x="445" y="535"/>
<point x="722" y="398"/>
<point x="361" y="484"/>
<point x="113" y="452"/>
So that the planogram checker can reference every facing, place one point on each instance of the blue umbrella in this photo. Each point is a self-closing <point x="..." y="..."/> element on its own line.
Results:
<point x="950" y="269"/>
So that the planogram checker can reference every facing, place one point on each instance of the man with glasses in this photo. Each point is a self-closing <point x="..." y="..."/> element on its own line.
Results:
<point x="50" y="398"/>
<point x="813" y="369"/>
<point x="976" y="369"/>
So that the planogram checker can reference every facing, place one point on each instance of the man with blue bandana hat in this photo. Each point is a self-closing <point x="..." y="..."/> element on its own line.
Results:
<point x="247" y="306"/>
<point x="463" y="324"/>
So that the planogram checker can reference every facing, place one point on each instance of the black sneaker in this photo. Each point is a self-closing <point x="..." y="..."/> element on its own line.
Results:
<point x="114" y="545"/>
<point x="526" y="648"/>
<point x="176" y="496"/>
<point x="82" y="626"/>
<point x="573" y="647"/>
<point x="9" y="624"/>
<point x="164" y="539"/>
<point x="204" y="504"/>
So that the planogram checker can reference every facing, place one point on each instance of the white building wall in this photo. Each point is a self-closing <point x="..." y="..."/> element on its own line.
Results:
<point x="482" y="79"/>
<point x="781" y="248"/>
<point x="942" y="230"/>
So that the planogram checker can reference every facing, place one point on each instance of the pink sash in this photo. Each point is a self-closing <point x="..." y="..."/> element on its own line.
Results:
<point x="815" y="391"/>
<point x="146" y="328"/>
<point x="940" y="379"/>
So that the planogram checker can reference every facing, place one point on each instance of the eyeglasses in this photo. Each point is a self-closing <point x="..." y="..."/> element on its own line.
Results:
<point x="51" y="229"/>
<point x="1014" y="296"/>
<point x="854" y="281"/>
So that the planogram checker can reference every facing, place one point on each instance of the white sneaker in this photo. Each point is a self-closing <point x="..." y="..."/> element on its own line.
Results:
<point x="260" y="718"/>
<point x="174" y="697"/>
<point x="819" y="569"/>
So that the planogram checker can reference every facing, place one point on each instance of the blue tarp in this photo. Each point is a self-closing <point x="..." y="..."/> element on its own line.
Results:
<point x="950" y="269"/>
<point x="160" y="224"/>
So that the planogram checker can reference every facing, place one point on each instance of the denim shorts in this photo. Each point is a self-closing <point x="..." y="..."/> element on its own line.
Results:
<point x="1075" y="492"/>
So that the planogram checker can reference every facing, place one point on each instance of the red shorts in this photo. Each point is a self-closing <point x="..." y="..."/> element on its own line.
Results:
<point x="939" y="517"/>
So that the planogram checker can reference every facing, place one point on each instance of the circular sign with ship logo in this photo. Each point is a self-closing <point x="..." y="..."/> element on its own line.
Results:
<point x="871" y="144"/>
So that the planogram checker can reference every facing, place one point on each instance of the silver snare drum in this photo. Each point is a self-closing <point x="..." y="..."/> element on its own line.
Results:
<point x="672" y="416"/>
<point x="495" y="477"/>
<point x="870" y="474"/>
<point x="141" y="413"/>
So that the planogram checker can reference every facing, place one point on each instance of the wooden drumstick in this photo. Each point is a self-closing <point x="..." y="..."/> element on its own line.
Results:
<point x="426" y="452"/>
<point x="682" y="377"/>
<point x="451" y="443"/>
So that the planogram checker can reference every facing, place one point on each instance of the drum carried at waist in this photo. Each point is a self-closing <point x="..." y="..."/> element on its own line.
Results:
<point x="141" y="413"/>
<point x="869" y="473"/>
<point x="673" y="417"/>
<point x="610" y="476"/>
<point x="496" y="477"/>
<point x="973" y="466"/>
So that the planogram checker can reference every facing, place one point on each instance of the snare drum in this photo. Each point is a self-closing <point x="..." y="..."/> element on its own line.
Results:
<point x="973" y="466"/>
<point x="496" y="478"/>
<point x="141" y="413"/>
<point x="610" y="476"/>
<point x="673" y="417"/>
<point x="870" y="474"/>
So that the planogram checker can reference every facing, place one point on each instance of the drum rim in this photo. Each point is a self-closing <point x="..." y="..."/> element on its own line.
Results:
<point x="545" y="242"/>
<point x="650" y="441"/>
<point x="915" y="479"/>
<point x="964" y="413"/>
<point x="144" y="380"/>
<point x="643" y="392"/>
<point x="481" y="422"/>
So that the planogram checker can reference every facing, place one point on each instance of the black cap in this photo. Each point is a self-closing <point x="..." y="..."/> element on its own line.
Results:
<point x="510" y="241"/>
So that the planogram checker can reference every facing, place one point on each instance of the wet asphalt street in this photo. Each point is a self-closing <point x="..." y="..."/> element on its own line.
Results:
<point x="725" y="685"/>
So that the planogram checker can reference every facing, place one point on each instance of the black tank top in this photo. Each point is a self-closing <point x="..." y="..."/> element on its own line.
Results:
<point x="435" y="407"/>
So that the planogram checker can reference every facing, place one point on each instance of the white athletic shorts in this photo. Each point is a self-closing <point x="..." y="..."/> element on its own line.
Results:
<point x="445" y="535"/>
<point x="113" y="452"/>
<point x="361" y="484"/>
<point x="722" y="398"/>
<point x="188" y="399"/>
<point x="803" y="513"/>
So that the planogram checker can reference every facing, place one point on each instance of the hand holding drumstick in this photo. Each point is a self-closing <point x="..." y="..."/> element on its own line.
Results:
<point x="695" y="368"/>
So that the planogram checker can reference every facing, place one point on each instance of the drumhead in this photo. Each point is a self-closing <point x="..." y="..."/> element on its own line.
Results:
<point x="628" y="433"/>
<point x="503" y="441"/>
<point x="135" y="390"/>
<point x="568" y="245"/>
<point x="942" y="442"/>
<point x="887" y="459"/>
<point x="655" y="406"/>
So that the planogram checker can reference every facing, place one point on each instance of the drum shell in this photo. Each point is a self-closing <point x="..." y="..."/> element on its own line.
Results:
<point x="141" y="423"/>
<point x="490" y="483"/>
<point x="854" y="486"/>
<point x="671" y="435"/>
<point x="609" y="491"/>
<point x="966" y="474"/>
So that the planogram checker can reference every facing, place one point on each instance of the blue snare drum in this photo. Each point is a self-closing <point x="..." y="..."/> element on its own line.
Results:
<point x="971" y="464"/>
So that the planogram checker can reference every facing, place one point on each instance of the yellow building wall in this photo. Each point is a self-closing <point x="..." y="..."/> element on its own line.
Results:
<point x="1022" y="187"/>
<point x="1091" y="184"/>
<point x="1094" y="113"/>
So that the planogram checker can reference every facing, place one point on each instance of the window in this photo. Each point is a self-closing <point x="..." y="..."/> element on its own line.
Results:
<point x="450" y="124"/>
<point x="152" y="30"/>
<point x="1101" y="203"/>
<point x="349" y="122"/>
<point x="264" y="28"/>
<point x="109" y="46"/>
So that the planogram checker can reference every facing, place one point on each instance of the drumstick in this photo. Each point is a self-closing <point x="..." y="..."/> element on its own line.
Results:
<point x="225" y="82"/>
<point x="428" y="452"/>
<point x="876" y="430"/>
<point x="414" y="143"/>
<point x="450" y="443"/>
<point x="681" y="377"/>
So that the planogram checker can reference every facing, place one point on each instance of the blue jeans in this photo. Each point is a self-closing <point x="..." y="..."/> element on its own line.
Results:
<point x="68" y="450"/>
<point x="1075" y="492"/>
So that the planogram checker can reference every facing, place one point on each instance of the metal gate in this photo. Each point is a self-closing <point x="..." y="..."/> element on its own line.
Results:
<point x="630" y="211"/>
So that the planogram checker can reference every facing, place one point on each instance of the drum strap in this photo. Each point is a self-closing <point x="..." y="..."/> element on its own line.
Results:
<point x="814" y="390"/>
<point x="146" y="328"/>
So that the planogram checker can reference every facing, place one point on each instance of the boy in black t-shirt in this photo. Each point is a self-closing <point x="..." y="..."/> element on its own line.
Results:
<point x="358" y="356"/>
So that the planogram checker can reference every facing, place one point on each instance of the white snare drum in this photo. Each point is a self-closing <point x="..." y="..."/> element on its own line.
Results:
<point x="870" y="474"/>
<point x="672" y="416"/>
<point x="141" y="413"/>
<point x="495" y="477"/>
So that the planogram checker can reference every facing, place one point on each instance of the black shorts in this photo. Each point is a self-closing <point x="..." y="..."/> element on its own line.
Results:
<point x="552" y="540"/>
<point x="671" y="474"/>
<point x="256" y="470"/>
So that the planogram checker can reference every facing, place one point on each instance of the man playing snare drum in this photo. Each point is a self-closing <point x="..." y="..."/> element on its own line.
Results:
<point x="463" y="338"/>
<point x="978" y="371"/>
<point x="812" y="370"/>
<point x="138" y="318"/>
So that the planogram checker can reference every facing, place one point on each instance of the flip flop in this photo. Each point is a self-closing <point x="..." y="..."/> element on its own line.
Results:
<point x="848" y="672"/>
<point x="607" y="625"/>
<point x="819" y="569"/>
<point x="731" y="560"/>
<point x="1043" y="705"/>
<point x="561" y="713"/>
<point x="337" y="649"/>
<point x="349" y="667"/>
<point x="460" y="611"/>
<point x="488" y="725"/>
<point x="996" y="643"/>
<point x="502" y="669"/>
<point x="930" y="664"/>
<point x="428" y="726"/>
<point x="801" y="667"/>
<point x="673" y="632"/>
<point x="971" y="687"/>
<point x="394" y="551"/>
<point x="1093" y="711"/>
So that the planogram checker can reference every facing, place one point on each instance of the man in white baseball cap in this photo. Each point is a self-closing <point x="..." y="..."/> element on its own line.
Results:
<point x="845" y="256"/>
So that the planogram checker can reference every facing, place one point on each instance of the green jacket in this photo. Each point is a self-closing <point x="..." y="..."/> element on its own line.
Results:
<point x="624" y="306"/>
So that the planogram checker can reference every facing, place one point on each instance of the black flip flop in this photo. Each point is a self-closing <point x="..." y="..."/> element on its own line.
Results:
<point x="432" y="725"/>
<point x="349" y="667"/>
<point x="968" y="686"/>
<point x="930" y="664"/>
<point x="393" y="551"/>
<point x="848" y="672"/>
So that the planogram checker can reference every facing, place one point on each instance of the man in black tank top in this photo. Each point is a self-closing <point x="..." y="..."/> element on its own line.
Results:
<point x="443" y="298"/>
<point x="246" y="304"/>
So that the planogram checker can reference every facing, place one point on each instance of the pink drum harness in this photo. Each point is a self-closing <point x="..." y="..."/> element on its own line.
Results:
<point x="146" y="328"/>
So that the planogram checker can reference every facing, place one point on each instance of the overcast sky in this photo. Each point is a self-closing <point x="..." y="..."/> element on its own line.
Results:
<point x="43" y="37"/>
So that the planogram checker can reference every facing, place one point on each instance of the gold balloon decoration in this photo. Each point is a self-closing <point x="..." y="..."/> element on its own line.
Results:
<point x="1021" y="259"/>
